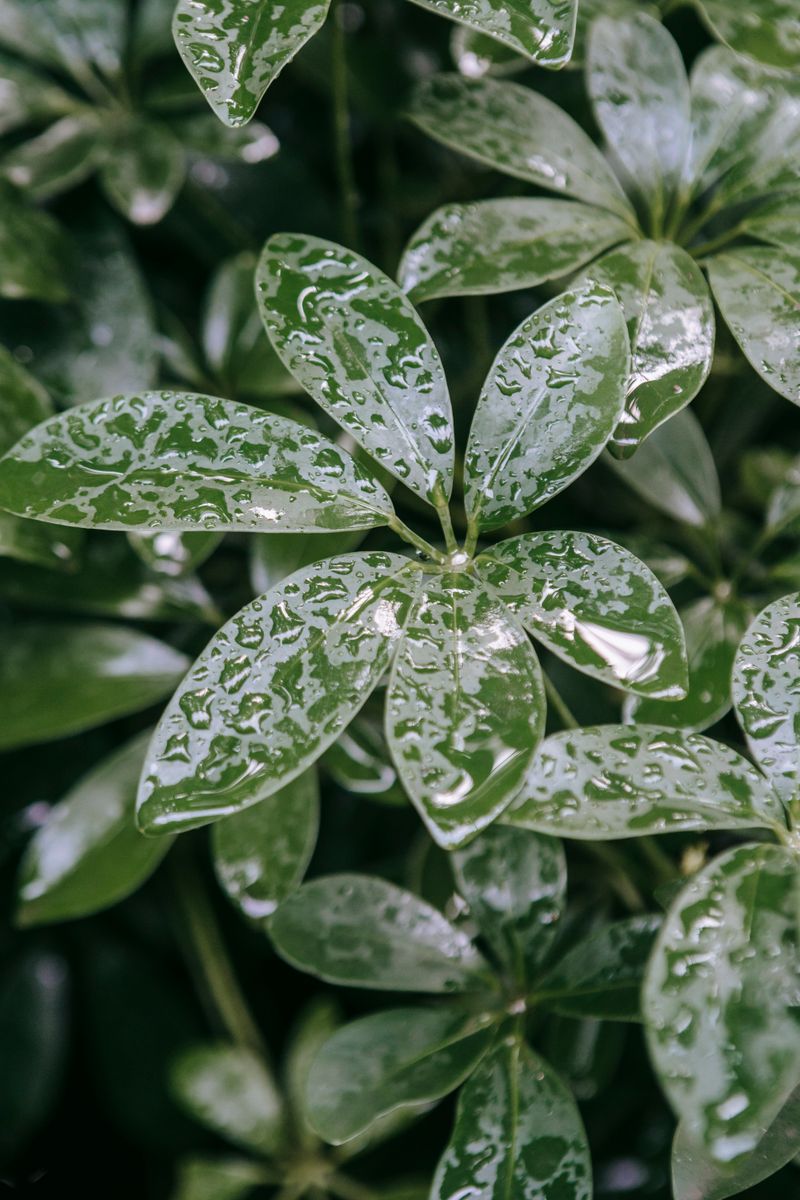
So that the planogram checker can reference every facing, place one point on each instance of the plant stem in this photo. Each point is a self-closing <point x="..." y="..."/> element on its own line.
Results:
<point x="402" y="530"/>
<point x="446" y="522"/>
<point x="618" y="876"/>
<point x="348" y="194"/>
<point x="211" y="965"/>
<point x="716" y="243"/>
<point x="558" y="703"/>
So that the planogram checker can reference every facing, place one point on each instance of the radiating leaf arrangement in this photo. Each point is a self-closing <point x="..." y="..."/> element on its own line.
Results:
<point x="699" y="176"/>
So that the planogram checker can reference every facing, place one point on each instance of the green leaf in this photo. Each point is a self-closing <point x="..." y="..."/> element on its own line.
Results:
<point x="670" y="320"/>
<point x="34" y="1029"/>
<point x="60" y="678"/>
<point x="553" y="396"/>
<point x="44" y="545"/>
<point x="204" y="137"/>
<point x="23" y="401"/>
<point x="757" y="289"/>
<point x="542" y="30"/>
<point x="261" y="854"/>
<point x="273" y="559"/>
<point x="519" y="132"/>
<point x="765" y="692"/>
<point x="317" y="1021"/>
<point x="465" y="707"/>
<point x="175" y="555"/>
<point x="721" y="998"/>
<point x="360" y="762"/>
<point x="640" y="93"/>
<point x="618" y="781"/>
<point x="174" y="460"/>
<point x="777" y="223"/>
<point x="67" y="34"/>
<point x="143" y="171"/>
<point x="515" y="887"/>
<point x="391" y="1060"/>
<point x="274" y="688"/>
<point x="696" y="1176"/>
<point x="355" y="343"/>
<point x="59" y="159"/>
<point x="228" y="1089"/>
<point x="27" y="97"/>
<point x="364" y="932"/>
<point x="476" y="54"/>
<point x="712" y="632"/>
<point x="499" y="245"/>
<point x="88" y="854"/>
<point x="217" y="1178"/>
<point x="517" y="1133"/>
<point x="33" y="251"/>
<point x="234" y="50"/>
<point x="766" y="30"/>
<point x="674" y="470"/>
<point x="601" y="976"/>
<point x="594" y="605"/>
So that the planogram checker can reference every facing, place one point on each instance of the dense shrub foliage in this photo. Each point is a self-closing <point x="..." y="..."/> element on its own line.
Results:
<point x="399" y="504"/>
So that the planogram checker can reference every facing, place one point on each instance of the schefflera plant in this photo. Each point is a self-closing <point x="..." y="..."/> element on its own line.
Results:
<point x="517" y="1131"/>
<point x="721" y="999"/>
<point x="701" y="175"/>
<point x="278" y="684"/>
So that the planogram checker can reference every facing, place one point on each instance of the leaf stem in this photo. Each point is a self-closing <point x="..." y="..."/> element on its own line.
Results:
<point x="446" y="523"/>
<point x="402" y="530"/>
<point x="716" y="243"/>
<point x="211" y="965"/>
<point x="559" y="704"/>
<point x="348" y="193"/>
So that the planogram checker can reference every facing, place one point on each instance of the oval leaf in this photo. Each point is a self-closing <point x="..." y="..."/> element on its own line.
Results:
<point x="553" y="396"/>
<point x="465" y="708"/>
<point x="143" y="171"/>
<point x="542" y="30"/>
<point x="229" y="1090"/>
<point x="274" y="688"/>
<point x="355" y="343"/>
<point x="173" y="460"/>
<point x="766" y="30"/>
<point x="364" y="932"/>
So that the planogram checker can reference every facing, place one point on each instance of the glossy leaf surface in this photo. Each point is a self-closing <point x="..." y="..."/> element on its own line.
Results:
<point x="59" y="159"/>
<point x="517" y="1133"/>
<point x="670" y="320"/>
<point x="465" y="707"/>
<point x="144" y="171"/>
<point x="766" y="30"/>
<point x="59" y="678"/>
<point x="721" y="998"/>
<point x="43" y="545"/>
<point x="355" y="343"/>
<point x="174" y="555"/>
<point x="593" y="604"/>
<point x="65" y="33"/>
<point x="542" y="30"/>
<point x="617" y="781"/>
<point x="515" y="887"/>
<point x="261" y="854"/>
<point x="766" y="692"/>
<point x="228" y="1089"/>
<point x="499" y="245"/>
<point x="174" y="460"/>
<point x="601" y="976"/>
<point x="519" y="132"/>
<point x="388" y="1061"/>
<point x="553" y="396"/>
<point x="638" y="85"/>
<point x="234" y="49"/>
<point x="777" y="223"/>
<point x="364" y="932"/>
<point x="88" y="854"/>
<point x="758" y="291"/>
<point x="274" y="688"/>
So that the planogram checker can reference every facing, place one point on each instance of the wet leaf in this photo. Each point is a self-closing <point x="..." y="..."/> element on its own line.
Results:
<point x="674" y="470"/>
<point x="354" y="341"/>
<point x="144" y="171"/>
<point x="273" y="689"/>
<point x="175" y="555"/>
<point x="499" y="245"/>
<point x="777" y="223"/>
<point x="65" y="33"/>
<point x="364" y="932"/>
<point x="758" y="291"/>
<point x="465" y="707"/>
<point x="601" y="976"/>
<point x="519" y="132"/>
<point x="766" y="30"/>
<point x="721" y="998"/>
<point x="59" y="159"/>
<point x="670" y="320"/>
<point x="33" y="251"/>
<point x="88" y="854"/>
<point x="640" y="93"/>
<point x="175" y="460"/>
<point x="261" y="854"/>
<point x="273" y="559"/>
<point x="515" y="887"/>
<point x="517" y="1133"/>
<point x="228" y="1089"/>
<point x="43" y="545"/>
<point x="476" y="54"/>
<point x="60" y="678"/>
<point x="766" y="692"/>
<point x="23" y="401"/>
<point x="593" y="604"/>
<point x="542" y="30"/>
<point x="234" y="49"/>
<point x="617" y="781"/>
<point x="388" y="1061"/>
<point x="552" y="398"/>
<point x="26" y="96"/>
<point x="359" y="761"/>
